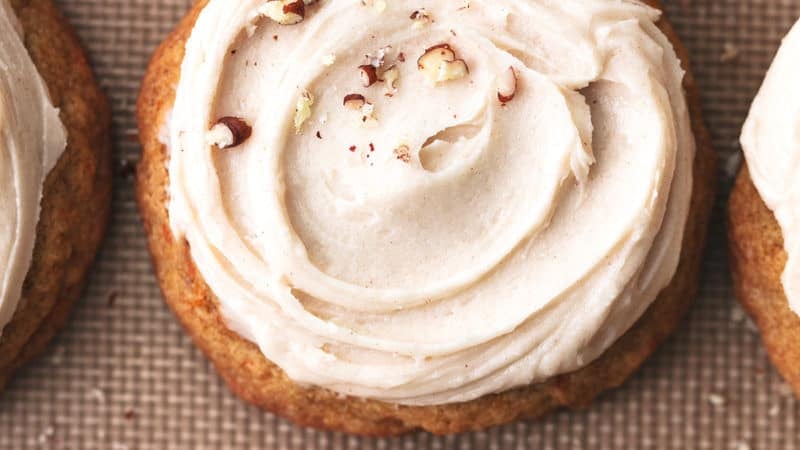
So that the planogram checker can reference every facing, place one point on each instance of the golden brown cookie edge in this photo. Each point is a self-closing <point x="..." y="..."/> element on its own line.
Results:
<point x="757" y="259"/>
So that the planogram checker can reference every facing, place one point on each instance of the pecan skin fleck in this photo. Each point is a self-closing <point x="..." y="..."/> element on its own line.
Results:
<point x="296" y="7"/>
<point x="239" y="129"/>
<point x="369" y="75"/>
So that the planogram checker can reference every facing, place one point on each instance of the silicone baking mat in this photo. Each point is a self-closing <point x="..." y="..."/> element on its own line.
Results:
<point x="124" y="376"/>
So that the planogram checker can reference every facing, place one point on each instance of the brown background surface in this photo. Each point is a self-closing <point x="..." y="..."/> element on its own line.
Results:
<point x="123" y="376"/>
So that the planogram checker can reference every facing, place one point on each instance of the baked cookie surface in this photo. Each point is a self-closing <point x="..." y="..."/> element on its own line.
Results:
<point x="757" y="261"/>
<point x="259" y="381"/>
<point x="763" y="204"/>
<point x="76" y="193"/>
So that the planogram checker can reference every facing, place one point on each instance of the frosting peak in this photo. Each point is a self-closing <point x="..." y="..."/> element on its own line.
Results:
<point x="31" y="141"/>
<point x="496" y="204"/>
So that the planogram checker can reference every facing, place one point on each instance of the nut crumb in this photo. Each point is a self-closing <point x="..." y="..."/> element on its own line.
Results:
<point x="783" y="389"/>
<point x="303" y="110"/>
<point x="379" y="57"/>
<point x="368" y="114"/>
<point x="97" y="395"/>
<point x="741" y="445"/>
<point x="229" y="132"/>
<point x="284" y="12"/>
<point x="354" y="101"/>
<point x="45" y="435"/>
<point x="368" y="74"/>
<point x="774" y="411"/>
<point x="439" y="63"/>
<point x="737" y="314"/>
<point x="378" y="5"/>
<point x="507" y="86"/>
<point x="389" y="78"/>
<point x="403" y="153"/>
<point x="58" y="355"/>
<point x="329" y="59"/>
<point x="421" y="18"/>
<point x="729" y="53"/>
<point x="716" y="400"/>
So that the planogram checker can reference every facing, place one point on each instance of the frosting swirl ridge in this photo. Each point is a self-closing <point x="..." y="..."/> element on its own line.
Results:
<point x="426" y="206"/>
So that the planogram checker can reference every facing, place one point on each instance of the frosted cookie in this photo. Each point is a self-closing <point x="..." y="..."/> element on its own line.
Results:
<point x="374" y="217"/>
<point x="55" y="177"/>
<point x="765" y="209"/>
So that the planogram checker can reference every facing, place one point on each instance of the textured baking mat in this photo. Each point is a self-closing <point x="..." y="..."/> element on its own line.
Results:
<point x="123" y="375"/>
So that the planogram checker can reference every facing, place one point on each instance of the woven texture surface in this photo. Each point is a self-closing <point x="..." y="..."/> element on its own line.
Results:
<point x="123" y="375"/>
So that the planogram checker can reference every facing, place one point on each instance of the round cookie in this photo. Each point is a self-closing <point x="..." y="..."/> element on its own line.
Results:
<point x="262" y="383"/>
<point x="761" y="210"/>
<point x="757" y="260"/>
<point x="77" y="192"/>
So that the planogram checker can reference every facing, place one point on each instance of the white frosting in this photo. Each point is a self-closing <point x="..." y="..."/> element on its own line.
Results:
<point x="518" y="244"/>
<point x="771" y="143"/>
<point x="31" y="140"/>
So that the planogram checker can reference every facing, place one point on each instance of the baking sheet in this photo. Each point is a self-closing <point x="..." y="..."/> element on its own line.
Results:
<point x="124" y="376"/>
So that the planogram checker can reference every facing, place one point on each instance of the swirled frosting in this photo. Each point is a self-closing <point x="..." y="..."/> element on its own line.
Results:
<point x="429" y="243"/>
<point x="771" y="143"/>
<point x="31" y="140"/>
